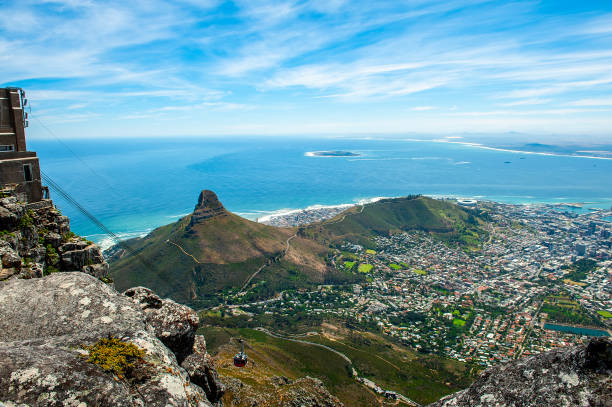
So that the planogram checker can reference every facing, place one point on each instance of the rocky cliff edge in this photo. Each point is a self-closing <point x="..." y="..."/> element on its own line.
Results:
<point x="35" y="240"/>
<point x="48" y="329"/>
<point x="567" y="377"/>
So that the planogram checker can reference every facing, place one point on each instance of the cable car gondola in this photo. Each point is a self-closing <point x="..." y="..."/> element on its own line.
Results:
<point x="241" y="359"/>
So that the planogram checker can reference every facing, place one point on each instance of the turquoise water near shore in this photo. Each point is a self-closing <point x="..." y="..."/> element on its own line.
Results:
<point x="576" y="330"/>
<point x="134" y="185"/>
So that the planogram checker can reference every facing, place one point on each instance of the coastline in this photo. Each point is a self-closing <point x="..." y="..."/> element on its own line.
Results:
<point x="516" y="151"/>
<point x="313" y="213"/>
<point x="291" y="217"/>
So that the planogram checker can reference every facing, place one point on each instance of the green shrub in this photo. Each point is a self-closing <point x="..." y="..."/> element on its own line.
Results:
<point x="50" y="269"/>
<point x="52" y="256"/>
<point x="26" y="219"/>
<point x="67" y="236"/>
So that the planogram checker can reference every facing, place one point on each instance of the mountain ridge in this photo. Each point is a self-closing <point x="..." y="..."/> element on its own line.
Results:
<point x="203" y="255"/>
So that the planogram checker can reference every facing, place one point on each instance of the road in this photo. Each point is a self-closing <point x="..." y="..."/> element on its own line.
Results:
<point x="267" y="263"/>
<point x="342" y="355"/>
<point x="344" y="216"/>
<point x="528" y="333"/>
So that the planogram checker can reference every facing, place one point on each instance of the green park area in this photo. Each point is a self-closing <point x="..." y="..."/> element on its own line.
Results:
<point x="348" y="265"/>
<point x="564" y="309"/>
<point x="458" y="322"/>
<point x="605" y="314"/>
<point x="365" y="268"/>
<point x="579" y="271"/>
<point x="395" y="266"/>
<point x="370" y="251"/>
<point x="420" y="272"/>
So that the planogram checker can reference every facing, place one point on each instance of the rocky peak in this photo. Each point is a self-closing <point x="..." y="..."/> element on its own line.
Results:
<point x="565" y="377"/>
<point x="208" y="207"/>
<point x="208" y="200"/>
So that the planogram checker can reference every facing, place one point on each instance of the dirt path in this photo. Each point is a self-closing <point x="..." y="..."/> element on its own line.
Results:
<point x="358" y="350"/>
<point x="184" y="251"/>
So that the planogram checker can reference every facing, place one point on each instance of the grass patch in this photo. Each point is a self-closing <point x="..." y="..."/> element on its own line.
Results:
<point x="422" y="378"/>
<point x="564" y="309"/>
<point x="370" y="251"/>
<point x="348" y="265"/>
<point x="605" y="314"/>
<point x="420" y="272"/>
<point x="365" y="268"/>
<point x="571" y="282"/>
<point x="395" y="266"/>
<point x="458" y="322"/>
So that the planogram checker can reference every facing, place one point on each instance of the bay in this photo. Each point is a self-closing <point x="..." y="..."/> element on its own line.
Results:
<point x="134" y="185"/>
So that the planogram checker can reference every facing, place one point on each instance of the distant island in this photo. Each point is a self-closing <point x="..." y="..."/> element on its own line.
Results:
<point x="335" y="153"/>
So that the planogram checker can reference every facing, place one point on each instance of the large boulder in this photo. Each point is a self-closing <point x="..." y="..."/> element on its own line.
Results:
<point x="174" y="324"/>
<point x="567" y="377"/>
<point x="78" y="254"/>
<point x="200" y="368"/>
<point x="45" y="325"/>
<point x="8" y="219"/>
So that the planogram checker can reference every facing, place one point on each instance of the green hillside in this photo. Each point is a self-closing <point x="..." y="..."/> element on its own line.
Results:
<point x="195" y="259"/>
<point x="443" y="219"/>
<point x="204" y="257"/>
<point x="423" y="378"/>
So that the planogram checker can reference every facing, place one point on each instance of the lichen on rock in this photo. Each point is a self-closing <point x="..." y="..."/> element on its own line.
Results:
<point x="114" y="355"/>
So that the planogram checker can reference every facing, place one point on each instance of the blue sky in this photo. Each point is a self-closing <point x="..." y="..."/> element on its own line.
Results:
<point x="189" y="67"/>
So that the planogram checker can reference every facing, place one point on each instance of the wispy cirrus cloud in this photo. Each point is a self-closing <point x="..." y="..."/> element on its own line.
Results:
<point x="591" y="102"/>
<point x="215" y="62"/>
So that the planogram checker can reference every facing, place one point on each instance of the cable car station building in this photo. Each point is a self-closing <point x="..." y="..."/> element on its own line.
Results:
<point x="19" y="168"/>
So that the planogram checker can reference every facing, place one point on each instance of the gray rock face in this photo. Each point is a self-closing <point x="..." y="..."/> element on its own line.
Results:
<point x="307" y="392"/>
<point x="44" y="324"/>
<point x="200" y="368"/>
<point x="174" y="324"/>
<point x="8" y="218"/>
<point x="282" y="392"/>
<point x="50" y="375"/>
<point x="566" y="377"/>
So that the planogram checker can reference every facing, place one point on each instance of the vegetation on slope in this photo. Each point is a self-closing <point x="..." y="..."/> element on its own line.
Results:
<point x="199" y="261"/>
<point x="423" y="378"/>
<point x="442" y="219"/>
<point x="194" y="263"/>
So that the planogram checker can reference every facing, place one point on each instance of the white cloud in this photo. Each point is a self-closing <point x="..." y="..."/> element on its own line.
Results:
<point x="132" y="59"/>
<point x="527" y="102"/>
<point x="592" y="102"/>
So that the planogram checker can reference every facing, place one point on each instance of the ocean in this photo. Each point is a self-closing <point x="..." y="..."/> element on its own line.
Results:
<point x="135" y="185"/>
